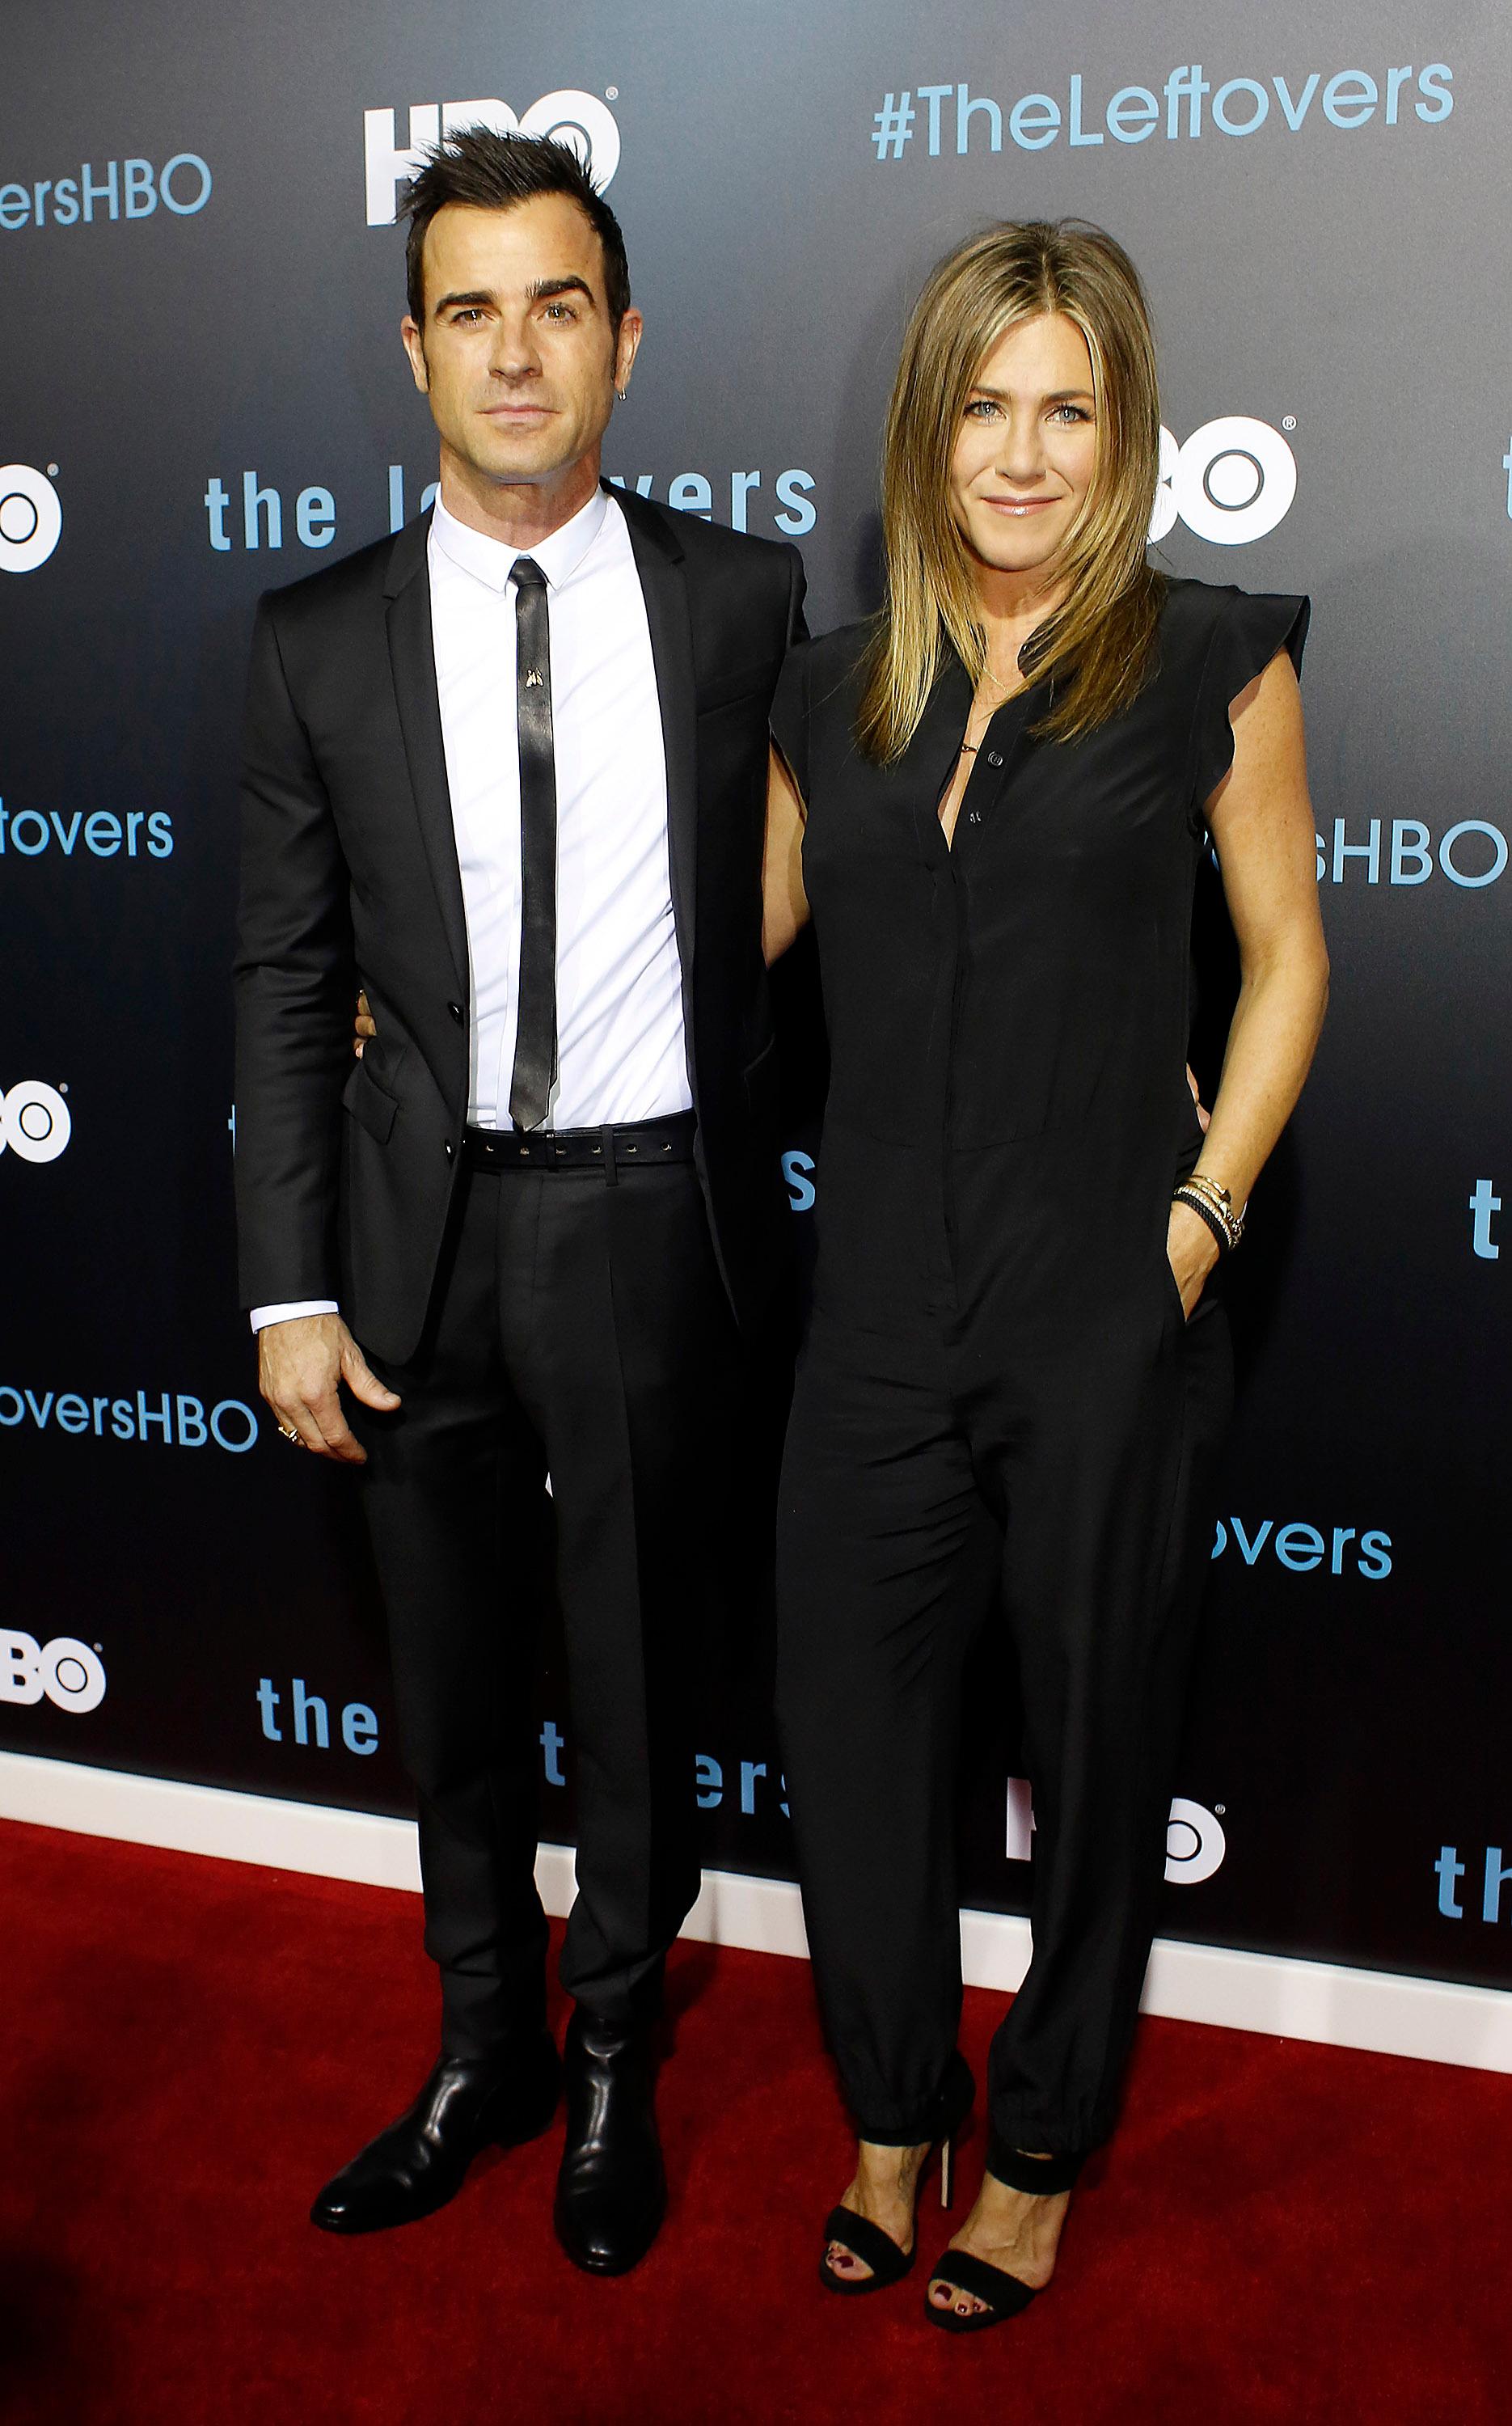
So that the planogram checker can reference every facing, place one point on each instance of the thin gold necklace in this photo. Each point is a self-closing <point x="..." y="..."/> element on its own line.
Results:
<point x="970" y="749"/>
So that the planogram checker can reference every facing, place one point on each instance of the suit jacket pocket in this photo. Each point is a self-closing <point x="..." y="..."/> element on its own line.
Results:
<point x="369" y="1104"/>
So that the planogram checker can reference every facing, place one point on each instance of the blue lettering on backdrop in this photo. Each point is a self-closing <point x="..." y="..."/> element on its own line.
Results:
<point x="184" y="185"/>
<point x="1495" y="1880"/>
<point x="1133" y="114"/>
<point x="690" y="493"/>
<point x="262" y="522"/>
<point x="1482" y="1204"/>
<point x="233" y="1424"/>
<point x="427" y="498"/>
<point x="308" y="1709"/>
<point x="708" y="1781"/>
<point x="260" y="526"/>
<point x="1450" y="1872"/>
<point x="796" y="1168"/>
<point x="1471" y="864"/>
<point x="1245" y="123"/>
<point x="1301" y="1547"/>
<point x="360" y="1728"/>
<point x="552" y="1741"/>
<point x="262" y="516"/>
<point x="966" y="110"/>
<point x="1241" y="106"/>
<point x="794" y="489"/>
<point x="27" y="833"/>
<point x="311" y="1719"/>
<point x="695" y="492"/>
<point x="1034" y="121"/>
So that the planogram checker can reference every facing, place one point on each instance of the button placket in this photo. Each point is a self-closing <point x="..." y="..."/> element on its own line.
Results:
<point x="992" y="767"/>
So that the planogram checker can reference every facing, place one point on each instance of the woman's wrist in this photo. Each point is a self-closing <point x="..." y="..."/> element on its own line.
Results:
<point x="1201" y="1219"/>
<point x="1211" y="1185"/>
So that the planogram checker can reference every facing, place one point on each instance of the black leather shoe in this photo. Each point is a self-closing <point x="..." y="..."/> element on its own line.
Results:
<point x="418" y="2164"/>
<point x="611" y="2193"/>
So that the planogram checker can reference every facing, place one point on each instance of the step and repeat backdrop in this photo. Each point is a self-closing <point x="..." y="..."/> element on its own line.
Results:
<point x="203" y="393"/>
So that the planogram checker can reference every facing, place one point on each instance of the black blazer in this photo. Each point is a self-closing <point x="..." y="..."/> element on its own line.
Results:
<point x="345" y="1170"/>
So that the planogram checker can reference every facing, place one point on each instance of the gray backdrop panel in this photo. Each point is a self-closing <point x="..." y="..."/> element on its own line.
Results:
<point x="784" y="181"/>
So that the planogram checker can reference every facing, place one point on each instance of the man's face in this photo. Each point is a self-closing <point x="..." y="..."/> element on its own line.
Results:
<point x="517" y="355"/>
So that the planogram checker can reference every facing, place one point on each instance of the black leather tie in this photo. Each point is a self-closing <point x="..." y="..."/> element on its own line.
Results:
<point x="535" y="1052"/>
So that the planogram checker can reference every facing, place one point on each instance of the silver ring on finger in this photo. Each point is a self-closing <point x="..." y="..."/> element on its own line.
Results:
<point x="288" y="1432"/>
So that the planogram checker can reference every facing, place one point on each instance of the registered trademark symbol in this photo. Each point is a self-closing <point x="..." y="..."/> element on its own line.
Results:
<point x="1219" y="1809"/>
<point x="1288" y="421"/>
<point x="99" y="1646"/>
<point x="52" y="470"/>
<point x="611" y="92"/>
<point x="63" y="1087"/>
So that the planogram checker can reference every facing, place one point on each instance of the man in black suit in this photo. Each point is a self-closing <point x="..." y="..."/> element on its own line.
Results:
<point x="506" y="771"/>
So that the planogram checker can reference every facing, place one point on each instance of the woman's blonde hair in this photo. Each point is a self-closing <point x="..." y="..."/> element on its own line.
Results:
<point x="1099" y="641"/>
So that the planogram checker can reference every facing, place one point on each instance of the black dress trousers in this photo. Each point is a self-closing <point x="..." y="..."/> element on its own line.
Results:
<point x="580" y="1330"/>
<point x="997" y="1342"/>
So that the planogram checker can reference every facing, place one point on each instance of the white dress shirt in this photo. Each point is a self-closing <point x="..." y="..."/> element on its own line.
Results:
<point x="621" y="1044"/>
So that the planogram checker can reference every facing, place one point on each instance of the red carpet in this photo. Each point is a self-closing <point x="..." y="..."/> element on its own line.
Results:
<point x="1280" y="2232"/>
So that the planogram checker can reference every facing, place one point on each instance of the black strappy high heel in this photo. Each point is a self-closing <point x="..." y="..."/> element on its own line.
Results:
<point x="867" y="2240"/>
<point x="1002" y="2294"/>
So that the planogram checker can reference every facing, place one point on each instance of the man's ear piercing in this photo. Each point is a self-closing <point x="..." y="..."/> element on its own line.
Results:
<point x="621" y="393"/>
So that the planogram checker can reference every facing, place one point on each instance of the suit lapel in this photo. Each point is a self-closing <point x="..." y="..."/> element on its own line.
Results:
<point x="663" y="587"/>
<point x="413" y="663"/>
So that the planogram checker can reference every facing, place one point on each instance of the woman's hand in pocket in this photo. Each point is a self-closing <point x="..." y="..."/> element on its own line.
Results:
<point x="1191" y="1251"/>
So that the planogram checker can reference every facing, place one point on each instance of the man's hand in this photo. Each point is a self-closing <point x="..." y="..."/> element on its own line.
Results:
<point x="299" y="1364"/>
<point x="366" y="1025"/>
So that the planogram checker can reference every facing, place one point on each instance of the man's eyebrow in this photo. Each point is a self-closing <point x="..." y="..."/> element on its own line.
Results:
<point x="454" y="302"/>
<point x="540" y="290"/>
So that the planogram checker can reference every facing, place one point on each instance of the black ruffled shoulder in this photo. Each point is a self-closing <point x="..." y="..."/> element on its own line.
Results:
<point x="1245" y="630"/>
<point x="818" y="685"/>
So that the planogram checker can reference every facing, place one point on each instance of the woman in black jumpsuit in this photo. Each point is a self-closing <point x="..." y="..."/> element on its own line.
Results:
<point x="997" y="1331"/>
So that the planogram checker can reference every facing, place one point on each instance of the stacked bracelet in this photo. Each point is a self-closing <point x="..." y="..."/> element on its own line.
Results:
<point x="1213" y="1204"/>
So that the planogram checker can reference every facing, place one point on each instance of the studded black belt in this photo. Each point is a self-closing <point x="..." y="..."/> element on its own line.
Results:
<point x="619" y="1147"/>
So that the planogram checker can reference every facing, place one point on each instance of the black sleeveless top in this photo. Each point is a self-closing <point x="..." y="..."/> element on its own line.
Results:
<point x="1008" y="1015"/>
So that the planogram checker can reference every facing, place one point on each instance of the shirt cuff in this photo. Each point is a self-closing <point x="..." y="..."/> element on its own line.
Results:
<point x="262" y="1315"/>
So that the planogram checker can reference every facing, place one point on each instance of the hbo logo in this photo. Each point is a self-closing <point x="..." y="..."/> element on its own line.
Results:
<point x="67" y="1671"/>
<point x="579" y="119"/>
<point x="1232" y="481"/>
<point x="30" y="518"/>
<point x="1195" y="1843"/>
<point x="33" y="1122"/>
